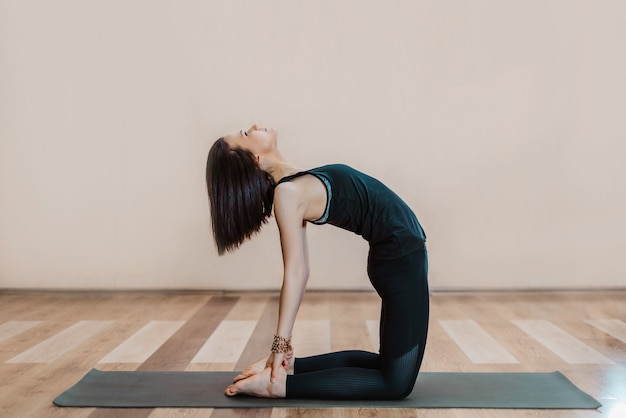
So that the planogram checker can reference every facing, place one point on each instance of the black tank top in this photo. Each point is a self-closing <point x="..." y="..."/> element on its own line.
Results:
<point x="361" y="204"/>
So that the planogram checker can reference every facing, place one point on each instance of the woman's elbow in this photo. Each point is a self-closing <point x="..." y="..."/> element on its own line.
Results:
<point x="300" y="275"/>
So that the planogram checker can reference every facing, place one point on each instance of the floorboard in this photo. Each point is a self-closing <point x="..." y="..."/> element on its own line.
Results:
<point x="48" y="341"/>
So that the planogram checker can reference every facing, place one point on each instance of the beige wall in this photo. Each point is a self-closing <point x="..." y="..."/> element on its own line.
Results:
<point x="500" y="122"/>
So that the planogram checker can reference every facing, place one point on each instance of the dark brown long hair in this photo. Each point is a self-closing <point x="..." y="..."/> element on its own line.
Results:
<point x="240" y="194"/>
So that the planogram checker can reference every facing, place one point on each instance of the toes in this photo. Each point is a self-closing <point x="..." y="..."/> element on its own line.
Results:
<point x="231" y="390"/>
<point x="242" y="376"/>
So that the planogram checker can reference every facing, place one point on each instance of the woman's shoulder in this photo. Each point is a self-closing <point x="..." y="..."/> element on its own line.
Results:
<point x="291" y="187"/>
<point x="331" y="167"/>
<point x="298" y="191"/>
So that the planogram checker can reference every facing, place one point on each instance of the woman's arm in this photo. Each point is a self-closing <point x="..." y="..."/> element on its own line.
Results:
<point x="289" y="209"/>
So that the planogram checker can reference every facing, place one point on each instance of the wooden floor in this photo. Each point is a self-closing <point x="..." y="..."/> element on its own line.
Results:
<point x="48" y="341"/>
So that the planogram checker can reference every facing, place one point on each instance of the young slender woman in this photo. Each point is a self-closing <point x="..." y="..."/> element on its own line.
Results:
<point x="247" y="176"/>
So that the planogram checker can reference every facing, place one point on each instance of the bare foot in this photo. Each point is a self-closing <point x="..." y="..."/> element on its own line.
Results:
<point x="251" y="370"/>
<point x="259" y="366"/>
<point x="259" y="385"/>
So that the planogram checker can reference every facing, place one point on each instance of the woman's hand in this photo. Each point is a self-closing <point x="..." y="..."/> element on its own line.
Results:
<point x="288" y="358"/>
<point x="261" y="365"/>
<point x="277" y="360"/>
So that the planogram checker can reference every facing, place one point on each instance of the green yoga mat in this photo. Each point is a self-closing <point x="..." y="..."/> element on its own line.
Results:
<point x="432" y="390"/>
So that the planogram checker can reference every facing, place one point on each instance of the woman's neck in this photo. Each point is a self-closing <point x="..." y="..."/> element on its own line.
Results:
<point x="277" y="165"/>
<point x="280" y="169"/>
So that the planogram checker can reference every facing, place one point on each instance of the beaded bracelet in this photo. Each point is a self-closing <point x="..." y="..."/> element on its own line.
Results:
<point x="281" y="344"/>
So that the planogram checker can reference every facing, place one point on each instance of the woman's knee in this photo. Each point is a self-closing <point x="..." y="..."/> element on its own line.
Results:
<point x="401" y="373"/>
<point x="399" y="388"/>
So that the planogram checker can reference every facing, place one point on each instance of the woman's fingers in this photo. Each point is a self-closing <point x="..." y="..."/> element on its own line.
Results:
<point x="277" y="363"/>
<point x="287" y="359"/>
<point x="275" y="368"/>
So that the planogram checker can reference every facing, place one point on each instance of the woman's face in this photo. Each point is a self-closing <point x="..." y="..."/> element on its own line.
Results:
<point x="256" y="139"/>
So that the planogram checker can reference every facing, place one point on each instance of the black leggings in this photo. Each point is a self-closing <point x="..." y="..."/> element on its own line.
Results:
<point x="403" y="287"/>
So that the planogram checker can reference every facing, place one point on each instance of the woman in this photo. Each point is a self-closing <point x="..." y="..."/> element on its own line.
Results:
<point x="246" y="176"/>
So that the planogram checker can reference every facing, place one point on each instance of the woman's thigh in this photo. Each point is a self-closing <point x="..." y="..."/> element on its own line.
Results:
<point x="403" y="287"/>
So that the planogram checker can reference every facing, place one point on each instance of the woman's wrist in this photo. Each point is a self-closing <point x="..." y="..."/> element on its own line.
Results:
<point x="281" y="344"/>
